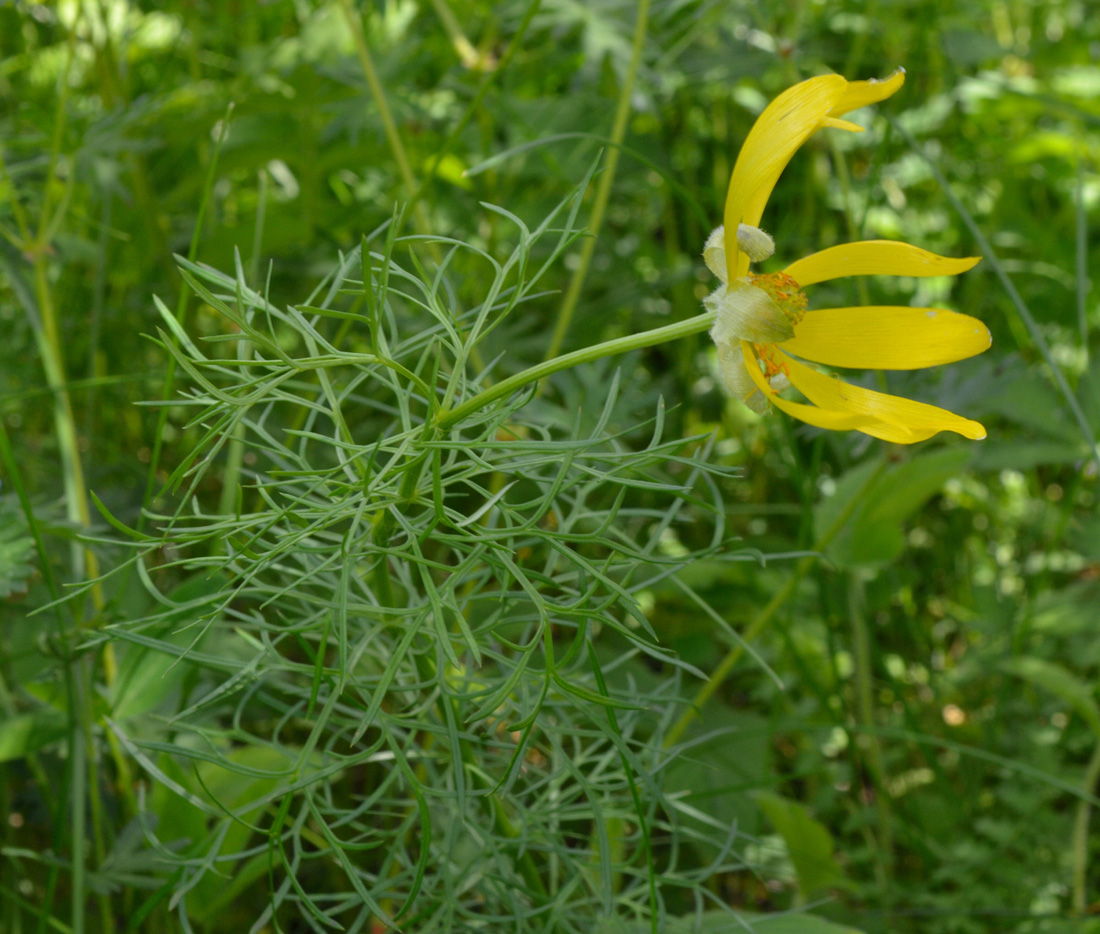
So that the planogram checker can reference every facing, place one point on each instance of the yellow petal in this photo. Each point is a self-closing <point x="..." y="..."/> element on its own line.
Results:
<point x="875" y="258"/>
<point x="887" y="337"/>
<point x="862" y="93"/>
<point x="786" y="123"/>
<point x="896" y="419"/>
<point x="821" y="418"/>
<point x="842" y="125"/>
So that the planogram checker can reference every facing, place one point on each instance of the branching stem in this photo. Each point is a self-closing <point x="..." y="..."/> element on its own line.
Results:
<point x="448" y="418"/>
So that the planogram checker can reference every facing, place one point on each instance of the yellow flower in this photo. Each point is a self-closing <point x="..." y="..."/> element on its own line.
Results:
<point x="762" y="319"/>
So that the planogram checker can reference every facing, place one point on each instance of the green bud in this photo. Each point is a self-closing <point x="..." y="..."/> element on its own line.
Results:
<point x="754" y="243"/>
<point x="714" y="253"/>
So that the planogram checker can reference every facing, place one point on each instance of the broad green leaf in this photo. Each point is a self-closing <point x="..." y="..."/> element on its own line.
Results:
<point x="1086" y="537"/>
<point x="724" y="922"/>
<point x="1025" y="454"/>
<point x="29" y="732"/>
<point x="16" y="551"/>
<point x="1060" y="682"/>
<point x="147" y="675"/>
<point x="968" y="47"/>
<point x="712" y="779"/>
<point x="790" y="923"/>
<point x="1066" y="612"/>
<point x="809" y="844"/>
<point x="247" y="775"/>
<point x="874" y="534"/>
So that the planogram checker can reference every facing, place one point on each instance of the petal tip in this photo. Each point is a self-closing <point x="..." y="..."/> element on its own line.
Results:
<point x="896" y="78"/>
<point x="975" y="431"/>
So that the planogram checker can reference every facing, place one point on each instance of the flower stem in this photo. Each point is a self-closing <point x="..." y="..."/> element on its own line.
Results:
<point x="448" y="418"/>
<point x="726" y="666"/>
<point x="1080" y="844"/>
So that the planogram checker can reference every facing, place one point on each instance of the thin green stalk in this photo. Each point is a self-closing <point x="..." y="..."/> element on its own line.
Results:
<point x="95" y="324"/>
<point x="1022" y="310"/>
<point x="448" y="418"/>
<point x="475" y="103"/>
<point x="1082" y="269"/>
<point x="868" y="742"/>
<point x="88" y="762"/>
<point x="235" y="448"/>
<point x="427" y="672"/>
<point x="397" y="148"/>
<point x="47" y="333"/>
<point x="726" y="666"/>
<point x="1080" y="845"/>
<point x="628" y="771"/>
<point x="77" y="832"/>
<point x="43" y="319"/>
<point x="181" y="313"/>
<point x="603" y="189"/>
<point x="73" y="702"/>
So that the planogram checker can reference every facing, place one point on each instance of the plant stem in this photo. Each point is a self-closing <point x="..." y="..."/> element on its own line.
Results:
<point x="1080" y="845"/>
<point x="181" y="314"/>
<point x="393" y="138"/>
<point x="448" y="418"/>
<point x="603" y="189"/>
<point x="868" y="741"/>
<point x="1032" y="326"/>
<point x="43" y="320"/>
<point x="1081" y="230"/>
<point x="475" y="105"/>
<point x="726" y="666"/>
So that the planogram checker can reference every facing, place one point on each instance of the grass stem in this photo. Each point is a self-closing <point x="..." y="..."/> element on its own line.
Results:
<point x="603" y="188"/>
<point x="726" y="666"/>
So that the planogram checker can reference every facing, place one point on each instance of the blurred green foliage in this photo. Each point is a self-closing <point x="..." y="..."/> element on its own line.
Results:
<point x="911" y="745"/>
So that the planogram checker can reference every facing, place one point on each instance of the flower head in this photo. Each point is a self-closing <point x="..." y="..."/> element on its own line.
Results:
<point x="760" y="320"/>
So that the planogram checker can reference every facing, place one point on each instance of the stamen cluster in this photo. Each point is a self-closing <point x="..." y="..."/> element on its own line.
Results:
<point x="784" y="291"/>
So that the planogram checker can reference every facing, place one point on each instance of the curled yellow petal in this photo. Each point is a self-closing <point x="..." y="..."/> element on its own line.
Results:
<point x="875" y="258"/>
<point x="887" y="337"/>
<point x="838" y="124"/>
<point x="897" y="419"/>
<point x="861" y="93"/>
<point x="811" y="415"/>
<point x="786" y="123"/>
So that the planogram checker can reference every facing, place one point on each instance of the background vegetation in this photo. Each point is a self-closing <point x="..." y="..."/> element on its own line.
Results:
<point x="276" y="656"/>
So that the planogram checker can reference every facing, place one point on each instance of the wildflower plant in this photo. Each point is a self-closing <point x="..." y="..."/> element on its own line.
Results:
<point x="762" y="319"/>
<point x="402" y="665"/>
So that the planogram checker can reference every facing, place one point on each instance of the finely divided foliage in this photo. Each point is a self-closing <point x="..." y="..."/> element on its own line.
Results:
<point x="391" y="632"/>
<point x="406" y="603"/>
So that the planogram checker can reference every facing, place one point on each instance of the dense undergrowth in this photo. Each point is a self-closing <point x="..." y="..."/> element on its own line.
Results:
<point x="317" y="613"/>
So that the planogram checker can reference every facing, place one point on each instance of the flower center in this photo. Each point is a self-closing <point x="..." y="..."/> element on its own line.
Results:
<point x="784" y="291"/>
